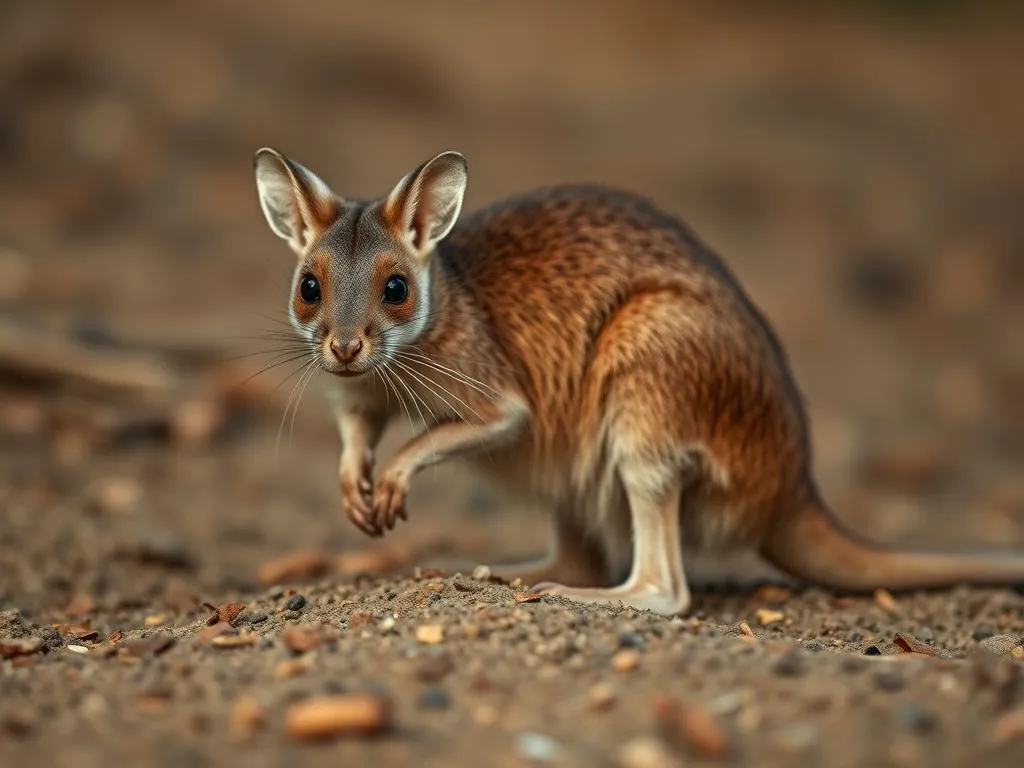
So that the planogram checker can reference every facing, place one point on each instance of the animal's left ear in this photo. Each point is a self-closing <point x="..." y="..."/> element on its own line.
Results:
<point x="424" y="206"/>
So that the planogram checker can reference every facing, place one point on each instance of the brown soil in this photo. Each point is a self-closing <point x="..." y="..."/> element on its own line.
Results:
<point x="864" y="176"/>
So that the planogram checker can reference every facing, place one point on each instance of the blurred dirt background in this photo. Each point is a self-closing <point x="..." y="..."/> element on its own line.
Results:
<point x="860" y="167"/>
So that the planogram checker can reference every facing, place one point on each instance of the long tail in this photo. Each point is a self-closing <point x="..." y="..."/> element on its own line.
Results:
<point x="813" y="545"/>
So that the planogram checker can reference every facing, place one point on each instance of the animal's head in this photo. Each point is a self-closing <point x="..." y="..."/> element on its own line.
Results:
<point x="361" y="288"/>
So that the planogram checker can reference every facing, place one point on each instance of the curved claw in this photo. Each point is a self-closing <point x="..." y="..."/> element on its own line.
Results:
<point x="389" y="503"/>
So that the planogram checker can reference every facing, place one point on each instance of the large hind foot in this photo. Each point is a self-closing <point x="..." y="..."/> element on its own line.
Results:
<point x="572" y="559"/>
<point x="647" y="597"/>
<point x="550" y="570"/>
<point x="656" y="581"/>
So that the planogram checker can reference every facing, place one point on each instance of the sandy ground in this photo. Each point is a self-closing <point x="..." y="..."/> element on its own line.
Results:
<point x="864" y="177"/>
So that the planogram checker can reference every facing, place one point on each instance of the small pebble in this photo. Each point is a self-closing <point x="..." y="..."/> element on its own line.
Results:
<point x="537" y="747"/>
<point x="626" y="660"/>
<point x="797" y="737"/>
<point x="789" y="664"/>
<point x="631" y="640"/>
<point x="430" y="634"/>
<point x="917" y="719"/>
<point x="600" y="697"/>
<point x="853" y="664"/>
<point x="644" y="752"/>
<point x="295" y="603"/>
<point x="434" y="697"/>
<point x="872" y="650"/>
<point x="766" y="616"/>
<point x="889" y="680"/>
<point x="435" y="667"/>
<point x="387" y="624"/>
<point x="275" y="592"/>
<point x="925" y="635"/>
<point x="982" y="633"/>
<point x="255" y="618"/>
<point x="481" y="573"/>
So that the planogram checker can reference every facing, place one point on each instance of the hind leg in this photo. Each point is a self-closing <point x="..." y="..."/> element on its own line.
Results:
<point x="656" y="581"/>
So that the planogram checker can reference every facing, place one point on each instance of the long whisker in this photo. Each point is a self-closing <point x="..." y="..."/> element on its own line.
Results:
<point x="426" y="426"/>
<point x="475" y="362"/>
<point x="484" y="389"/>
<point x="434" y="386"/>
<point x="288" y="358"/>
<point x="291" y="427"/>
<point x="389" y="377"/>
<point x="291" y="395"/>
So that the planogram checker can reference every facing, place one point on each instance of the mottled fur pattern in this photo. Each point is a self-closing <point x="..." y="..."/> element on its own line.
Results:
<point x="587" y="350"/>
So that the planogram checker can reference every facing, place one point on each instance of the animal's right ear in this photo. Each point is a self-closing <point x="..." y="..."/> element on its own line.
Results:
<point x="297" y="204"/>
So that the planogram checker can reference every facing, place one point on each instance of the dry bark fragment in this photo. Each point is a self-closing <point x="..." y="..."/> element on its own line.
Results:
<point x="295" y="566"/>
<point x="22" y="646"/>
<point x="911" y="644"/>
<point x="305" y="637"/>
<point x="527" y="597"/>
<point x="227" y="612"/>
<point x="233" y="639"/>
<point x="690" y="726"/>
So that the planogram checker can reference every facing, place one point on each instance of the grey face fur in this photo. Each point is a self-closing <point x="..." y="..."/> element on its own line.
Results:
<point x="361" y="287"/>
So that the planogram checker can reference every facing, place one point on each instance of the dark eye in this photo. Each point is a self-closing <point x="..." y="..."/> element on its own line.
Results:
<point x="309" y="289"/>
<point x="396" y="290"/>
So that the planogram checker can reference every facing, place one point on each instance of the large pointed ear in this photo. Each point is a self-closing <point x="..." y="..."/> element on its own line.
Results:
<point x="297" y="203"/>
<point x="424" y="206"/>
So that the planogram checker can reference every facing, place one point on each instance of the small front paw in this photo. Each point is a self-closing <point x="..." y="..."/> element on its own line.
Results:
<point x="389" y="502"/>
<point x="357" y="498"/>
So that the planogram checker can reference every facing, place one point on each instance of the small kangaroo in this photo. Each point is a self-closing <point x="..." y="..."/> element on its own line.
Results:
<point x="590" y="353"/>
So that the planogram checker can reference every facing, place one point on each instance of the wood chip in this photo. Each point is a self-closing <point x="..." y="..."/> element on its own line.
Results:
<point x="295" y="566"/>
<point x="361" y="561"/>
<point x="766" y="617"/>
<point x="210" y="631"/>
<point x="75" y="648"/>
<point x="690" y="726"/>
<point x="80" y="605"/>
<point x="746" y="631"/>
<point x="235" y="639"/>
<point x="910" y="644"/>
<point x="153" y="645"/>
<point x="289" y="668"/>
<point x="197" y="421"/>
<point x="327" y="717"/>
<point x="430" y="634"/>
<point x="527" y="597"/>
<point x="1010" y="726"/>
<point x="626" y="660"/>
<point x="226" y="612"/>
<point x="885" y="601"/>
<point x="358" y="619"/>
<point x="115" y="637"/>
<point x="152" y="703"/>
<point x="771" y="594"/>
<point x="600" y="697"/>
<point x="246" y="718"/>
<point x="305" y="637"/>
<point x="21" y="646"/>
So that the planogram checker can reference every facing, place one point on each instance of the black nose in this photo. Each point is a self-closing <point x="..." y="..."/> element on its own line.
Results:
<point x="346" y="350"/>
